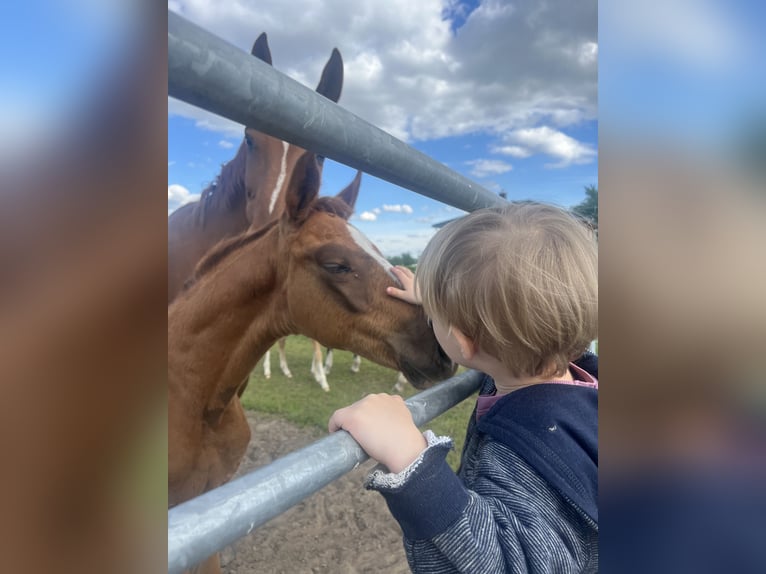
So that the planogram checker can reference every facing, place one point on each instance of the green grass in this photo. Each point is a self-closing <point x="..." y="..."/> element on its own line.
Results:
<point x="300" y="400"/>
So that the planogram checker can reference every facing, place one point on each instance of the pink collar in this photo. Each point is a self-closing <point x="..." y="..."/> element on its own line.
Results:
<point x="582" y="378"/>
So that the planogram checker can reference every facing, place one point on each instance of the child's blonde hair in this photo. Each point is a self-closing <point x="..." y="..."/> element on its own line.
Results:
<point x="520" y="280"/>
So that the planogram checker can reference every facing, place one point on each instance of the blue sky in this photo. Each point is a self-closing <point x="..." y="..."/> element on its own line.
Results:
<point x="687" y="71"/>
<point x="504" y="94"/>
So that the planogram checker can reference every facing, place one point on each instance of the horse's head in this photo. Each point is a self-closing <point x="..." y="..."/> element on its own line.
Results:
<point x="336" y="283"/>
<point x="270" y="161"/>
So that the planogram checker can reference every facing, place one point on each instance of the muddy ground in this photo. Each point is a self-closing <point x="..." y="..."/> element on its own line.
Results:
<point x="341" y="529"/>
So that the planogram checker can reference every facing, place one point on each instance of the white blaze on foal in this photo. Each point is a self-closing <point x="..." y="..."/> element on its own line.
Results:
<point x="361" y="240"/>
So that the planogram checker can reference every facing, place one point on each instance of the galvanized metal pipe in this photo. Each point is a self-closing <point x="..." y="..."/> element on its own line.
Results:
<point x="206" y="524"/>
<point x="210" y="73"/>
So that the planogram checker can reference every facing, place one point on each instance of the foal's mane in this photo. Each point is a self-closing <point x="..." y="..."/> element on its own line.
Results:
<point x="331" y="205"/>
<point x="228" y="188"/>
<point x="223" y="248"/>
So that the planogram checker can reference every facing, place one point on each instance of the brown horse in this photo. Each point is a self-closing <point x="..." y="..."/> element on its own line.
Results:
<point x="249" y="191"/>
<point x="310" y="273"/>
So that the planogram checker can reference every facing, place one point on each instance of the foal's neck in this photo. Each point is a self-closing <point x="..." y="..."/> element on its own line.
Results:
<point x="225" y="322"/>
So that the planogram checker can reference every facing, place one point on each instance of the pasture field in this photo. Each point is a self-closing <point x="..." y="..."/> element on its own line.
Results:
<point x="300" y="400"/>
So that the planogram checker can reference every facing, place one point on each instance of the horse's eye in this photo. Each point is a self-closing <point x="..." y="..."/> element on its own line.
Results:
<point x="249" y="142"/>
<point x="336" y="268"/>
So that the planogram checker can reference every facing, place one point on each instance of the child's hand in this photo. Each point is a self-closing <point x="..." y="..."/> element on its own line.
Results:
<point x="384" y="428"/>
<point x="407" y="278"/>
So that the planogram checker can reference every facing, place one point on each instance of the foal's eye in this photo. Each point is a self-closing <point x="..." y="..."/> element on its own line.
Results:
<point x="336" y="268"/>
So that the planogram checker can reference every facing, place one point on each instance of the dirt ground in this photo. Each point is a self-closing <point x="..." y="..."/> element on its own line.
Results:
<point x="342" y="529"/>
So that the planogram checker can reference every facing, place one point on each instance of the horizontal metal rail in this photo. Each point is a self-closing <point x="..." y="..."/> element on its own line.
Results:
<point x="206" y="524"/>
<point x="210" y="73"/>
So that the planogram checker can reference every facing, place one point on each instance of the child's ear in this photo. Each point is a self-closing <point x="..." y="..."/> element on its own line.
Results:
<point x="467" y="345"/>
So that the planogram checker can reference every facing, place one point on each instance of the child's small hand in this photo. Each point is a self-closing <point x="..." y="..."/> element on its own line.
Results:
<point x="383" y="426"/>
<point x="407" y="279"/>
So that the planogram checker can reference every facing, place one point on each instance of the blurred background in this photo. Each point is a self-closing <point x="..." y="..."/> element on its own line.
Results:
<point x="683" y="277"/>
<point x="682" y="140"/>
<point x="82" y="275"/>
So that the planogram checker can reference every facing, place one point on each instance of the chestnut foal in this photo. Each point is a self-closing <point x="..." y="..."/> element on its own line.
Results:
<point x="309" y="272"/>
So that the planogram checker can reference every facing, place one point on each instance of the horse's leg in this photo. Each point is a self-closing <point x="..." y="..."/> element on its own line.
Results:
<point x="267" y="364"/>
<point x="317" y="368"/>
<point x="328" y="362"/>
<point x="400" y="382"/>
<point x="283" y="358"/>
<point x="355" y="363"/>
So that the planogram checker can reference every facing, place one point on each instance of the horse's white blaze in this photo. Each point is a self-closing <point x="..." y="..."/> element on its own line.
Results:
<point x="280" y="179"/>
<point x="361" y="240"/>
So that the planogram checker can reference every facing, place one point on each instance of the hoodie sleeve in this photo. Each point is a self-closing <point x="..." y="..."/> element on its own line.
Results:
<point x="509" y="521"/>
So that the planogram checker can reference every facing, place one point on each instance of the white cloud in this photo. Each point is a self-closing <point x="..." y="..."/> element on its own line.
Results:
<point x="509" y="67"/>
<point x="511" y="150"/>
<point x="485" y="167"/>
<point x="204" y="119"/>
<point x="396" y="242"/>
<point x="398" y="208"/>
<point x="225" y="144"/>
<point x="587" y="54"/>
<point x="367" y="216"/>
<point x="553" y="143"/>
<point x="178" y="195"/>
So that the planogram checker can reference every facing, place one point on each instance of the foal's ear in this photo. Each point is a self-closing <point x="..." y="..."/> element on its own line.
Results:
<point x="303" y="188"/>
<point x="331" y="83"/>
<point x="261" y="49"/>
<point x="350" y="193"/>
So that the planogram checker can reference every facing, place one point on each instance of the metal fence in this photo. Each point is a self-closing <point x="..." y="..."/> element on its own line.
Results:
<point x="210" y="73"/>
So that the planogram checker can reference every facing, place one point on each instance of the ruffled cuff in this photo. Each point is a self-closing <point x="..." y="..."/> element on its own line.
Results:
<point x="381" y="479"/>
<point x="427" y="496"/>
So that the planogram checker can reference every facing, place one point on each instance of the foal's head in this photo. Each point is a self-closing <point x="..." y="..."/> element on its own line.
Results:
<point x="335" y="281"/>
<point x="270" y="161"/>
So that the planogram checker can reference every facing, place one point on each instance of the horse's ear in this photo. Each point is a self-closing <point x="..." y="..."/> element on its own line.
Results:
<point x="261" y="49"/>
<point x="331" y="83"/>
<point x="350" y="193"/>
<point x="303" y="188"/>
